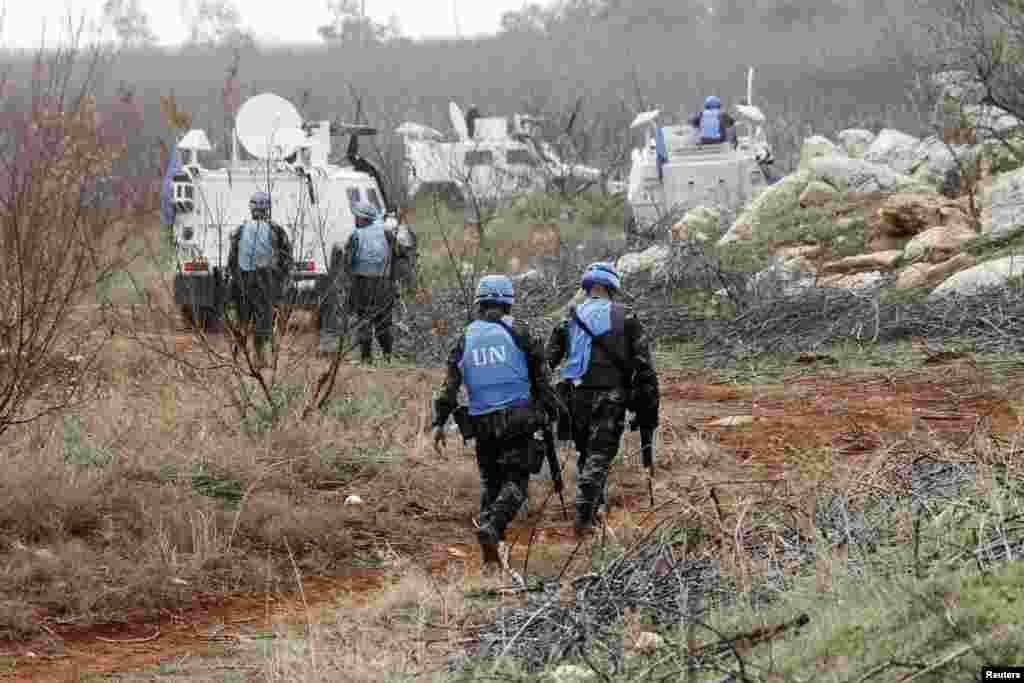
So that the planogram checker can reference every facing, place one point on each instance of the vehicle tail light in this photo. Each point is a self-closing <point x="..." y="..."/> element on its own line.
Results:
<point x="308" y="266"/>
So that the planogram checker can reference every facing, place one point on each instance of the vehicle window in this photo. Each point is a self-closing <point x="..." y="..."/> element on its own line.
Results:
<point x="371" y="194"/>
<point x="353" y="195"/>
<point x="479" y="157"/>
<point x="519" y="156"/>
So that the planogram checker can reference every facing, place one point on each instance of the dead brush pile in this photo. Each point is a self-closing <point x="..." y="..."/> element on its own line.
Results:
<point x="916" y="507"/>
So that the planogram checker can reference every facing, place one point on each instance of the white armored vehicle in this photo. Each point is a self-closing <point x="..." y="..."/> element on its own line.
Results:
<point x="311" y="198"/>
<point x="692" y="173"/>
<point x="493" y="165"/>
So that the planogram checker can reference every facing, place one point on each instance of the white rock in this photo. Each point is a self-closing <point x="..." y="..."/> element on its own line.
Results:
<point x="896" y="150"/>
<point x="648" y="260"/>
<point x="984" y="275"/>
<point x="570" y="673"/>
<point x="1006" y="201"/>
<point x="353" y="500"/>
<point x="856" y="141"/>
<point x="649" y="642"/>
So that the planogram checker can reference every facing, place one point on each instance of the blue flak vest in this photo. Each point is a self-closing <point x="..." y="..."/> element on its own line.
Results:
<point x="710" y="124"/>
<point x="372" y="251"/>
<point x="494" y="369"/>
<point x="255" y="246"/>
<point x="597" y="315"/>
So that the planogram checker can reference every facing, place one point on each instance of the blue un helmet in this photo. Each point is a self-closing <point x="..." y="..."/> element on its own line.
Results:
<point x="364" y="211"/>
<point x="712" y="102"/>
<point x="260" y="204"/>
<point x="601" y="274"/>
<point x="495" y="289"/>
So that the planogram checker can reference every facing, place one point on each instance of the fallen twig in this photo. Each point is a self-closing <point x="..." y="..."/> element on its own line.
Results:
<point x="131" y="641"/>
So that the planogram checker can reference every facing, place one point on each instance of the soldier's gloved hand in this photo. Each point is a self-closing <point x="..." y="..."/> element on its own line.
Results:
<point x="439" y="439"/>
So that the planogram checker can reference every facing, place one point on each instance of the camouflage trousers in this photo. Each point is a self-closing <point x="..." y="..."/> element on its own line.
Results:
<point x="599" y="419"/>
<point x="504" y="481"/>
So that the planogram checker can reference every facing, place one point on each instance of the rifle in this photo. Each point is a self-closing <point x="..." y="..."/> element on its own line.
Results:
<point x="556" y="468"/>
<point x="646" y="435"/>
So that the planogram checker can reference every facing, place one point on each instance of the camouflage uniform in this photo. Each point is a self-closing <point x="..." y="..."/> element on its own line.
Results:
<point x="256" y="291"/>
<point x="371" y="299"/>
<point x="503" y="438"/>
<point x="599" y="403"/>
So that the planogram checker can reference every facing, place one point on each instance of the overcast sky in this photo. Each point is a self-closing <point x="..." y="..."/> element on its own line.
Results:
<point x="290" y="21"/>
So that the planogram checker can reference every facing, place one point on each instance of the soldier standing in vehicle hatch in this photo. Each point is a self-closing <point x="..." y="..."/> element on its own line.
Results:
<point x="510" y="398"/>
<point x="597" y="390"/>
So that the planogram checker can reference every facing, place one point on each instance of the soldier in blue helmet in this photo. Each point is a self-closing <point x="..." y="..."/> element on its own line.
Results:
<point x="259" y="263"/>
<point x="600" y="380"/>
<point x="510" y="399"/>
<point x="716" y="126"/>
<point x="366" y="264"/>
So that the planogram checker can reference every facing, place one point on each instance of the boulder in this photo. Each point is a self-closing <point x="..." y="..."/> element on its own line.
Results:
<point x="815" y="147"/>
<point x="938" y="244"/>
<point x="698" y="223"/>
<point x="877" y="261"/>
<point x="818" y="194"/>
<point x="990" y="120"/>
<point x="780" y="199"/>
<point x="850" y="281"/>
<point x="859" y="176"/>
<point x="959" y="85"/>
<point x="938" y="165"/>
<point x="894" y="149"/>
<point x="791" y="250"/>
<point x="651" y="261"/>
<point x="928" y="274"/>
<point x="856" y="141"/>
<point x="1004" y="206"/>
<point x="974" y="280"/>
<point x="907" y="214"/>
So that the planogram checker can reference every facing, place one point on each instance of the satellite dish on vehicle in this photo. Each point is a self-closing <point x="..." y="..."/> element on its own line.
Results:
<point x="751" y="113"/>
<point x="269" y="126"/>
<point x="458" y="120"/>
<point x="644" y="117"/>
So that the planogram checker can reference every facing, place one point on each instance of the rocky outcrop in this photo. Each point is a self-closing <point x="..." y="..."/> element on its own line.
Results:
<point x="984" y="275"/>
<point x="925" y="274"/>
<point x="860" y="176"/>
<point x="877" y="261"/>
<point x="894" y="149"/>
<point x="777" y="200"/>
<point x="818" y="194"/>
<point x="907" y="214"/>
<point x="938" y="244"/>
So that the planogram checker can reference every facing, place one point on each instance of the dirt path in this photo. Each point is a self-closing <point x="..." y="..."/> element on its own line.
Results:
<point x="851" y="412"/>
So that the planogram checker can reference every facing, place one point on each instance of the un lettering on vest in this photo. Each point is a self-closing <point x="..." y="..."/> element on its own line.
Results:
<point x="491" y="355"/>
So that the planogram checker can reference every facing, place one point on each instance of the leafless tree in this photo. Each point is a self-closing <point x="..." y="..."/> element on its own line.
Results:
<point x="56" y="244"/>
